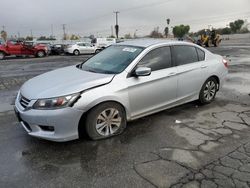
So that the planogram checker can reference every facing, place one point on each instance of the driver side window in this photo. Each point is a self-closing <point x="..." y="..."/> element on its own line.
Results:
<point x="81" y="44"/>
<point x="157" y="59"/>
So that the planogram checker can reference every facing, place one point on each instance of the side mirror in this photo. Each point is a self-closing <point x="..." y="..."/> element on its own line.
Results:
<point x="143" y="71"/>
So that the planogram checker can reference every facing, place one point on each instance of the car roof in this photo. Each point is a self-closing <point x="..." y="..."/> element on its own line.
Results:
<point x="150" y="42"/>
<point x="82" y="42"/>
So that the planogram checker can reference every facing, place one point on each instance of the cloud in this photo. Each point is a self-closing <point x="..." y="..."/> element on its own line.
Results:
<point x="95" y="16"/>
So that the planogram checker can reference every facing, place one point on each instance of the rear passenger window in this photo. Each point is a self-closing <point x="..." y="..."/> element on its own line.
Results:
<point x="157" y="59"/>
<point x="185" y="55"/>
<point x="201" y="54"/>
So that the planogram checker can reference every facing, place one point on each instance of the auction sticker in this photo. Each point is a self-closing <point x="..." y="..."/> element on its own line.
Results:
<point x="132" y="50"/>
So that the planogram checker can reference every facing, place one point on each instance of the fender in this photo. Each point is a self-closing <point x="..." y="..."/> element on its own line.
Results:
<point x="3" y="50"/>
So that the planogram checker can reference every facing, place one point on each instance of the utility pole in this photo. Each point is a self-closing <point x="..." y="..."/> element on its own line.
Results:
<point x="116" y="24"/>
<point x="3" y="28"/>
<point x="52" y="31"/>
<point x="135" y="33"/>
<point x="112" y="32"/>
<point x="31" y="33"/>
<point x="64" y="31"/>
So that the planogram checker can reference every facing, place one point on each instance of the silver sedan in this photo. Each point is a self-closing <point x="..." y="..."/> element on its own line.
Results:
<point x="124" y="82"/>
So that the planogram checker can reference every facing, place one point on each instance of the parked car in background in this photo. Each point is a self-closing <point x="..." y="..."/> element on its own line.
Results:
<point x="103" y="42"/>
<point x="47" y="44"/>
<point x="57" y="49"/>
<point x="20" y="48"/>
<point x="124" y="82"/>
<point x="81" y="48"/>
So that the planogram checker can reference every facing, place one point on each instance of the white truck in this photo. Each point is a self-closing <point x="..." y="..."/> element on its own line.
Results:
<point x="102" y="43"/>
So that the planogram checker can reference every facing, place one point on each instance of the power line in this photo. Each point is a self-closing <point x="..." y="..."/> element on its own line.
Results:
<point x="101" y="16"/>
<point x="146" y="5"/>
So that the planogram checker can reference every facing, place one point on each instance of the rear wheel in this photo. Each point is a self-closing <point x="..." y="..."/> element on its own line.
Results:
<point x="216" y="43"/>
<point x="40" y="53"/>
<point x="208" y="91"/>
<point x="2" y="55"/>
<point x="76" y="52"/>
<point x="209" y="43"/>
<point x="105" y="120"/>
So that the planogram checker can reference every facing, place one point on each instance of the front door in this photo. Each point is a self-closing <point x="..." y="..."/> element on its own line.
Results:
<point x="152" y="93"/>
<point x="14" y="48"/>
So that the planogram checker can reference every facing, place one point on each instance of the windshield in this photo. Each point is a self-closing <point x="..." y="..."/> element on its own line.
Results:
<point x="112" y="60"/>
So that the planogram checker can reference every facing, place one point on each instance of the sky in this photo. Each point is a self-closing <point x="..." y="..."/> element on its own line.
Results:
<point x="85" y="17"/>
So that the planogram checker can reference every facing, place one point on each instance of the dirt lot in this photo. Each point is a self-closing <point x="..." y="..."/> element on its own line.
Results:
<point x="209" y="146"/>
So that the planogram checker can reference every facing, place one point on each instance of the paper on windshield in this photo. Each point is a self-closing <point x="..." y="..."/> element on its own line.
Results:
<point x="132" y="50"/>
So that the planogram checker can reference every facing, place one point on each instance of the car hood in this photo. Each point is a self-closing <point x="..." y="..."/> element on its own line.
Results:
<point x="62" y="82"/>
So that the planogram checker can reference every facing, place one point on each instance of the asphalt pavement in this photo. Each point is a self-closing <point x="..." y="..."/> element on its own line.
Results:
<point x="186" y="146"/>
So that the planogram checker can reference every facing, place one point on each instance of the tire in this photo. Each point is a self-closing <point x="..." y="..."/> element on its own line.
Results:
<point x="2" y="55"/>
<point x="97" y="51"/>
<point x="209" y="43"/>
<point x="208" y="91"/>
<point x="99" y="124"/>
<point x="40" y="54"/>
<point x="216" y="43"/>
<point x="76" y="52"/>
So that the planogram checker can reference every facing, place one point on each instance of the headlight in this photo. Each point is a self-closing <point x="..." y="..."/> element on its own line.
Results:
<point x="57" y="102"/>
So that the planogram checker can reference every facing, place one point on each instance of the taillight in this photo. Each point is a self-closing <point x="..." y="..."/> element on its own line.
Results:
<point x="224" y="61"/>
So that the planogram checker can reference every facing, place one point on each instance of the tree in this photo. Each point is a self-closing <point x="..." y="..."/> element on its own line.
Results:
<point x="226" y="31"/>
<point x="181" y="30"/>
<point x="29" y="38"/>
<point x="128" y="36"/>
<point x="45" y="38"/>
<point x="4" y="35"/>
<point x="74" y="37"/>
<point x="155" y="33"/>
<point x="236" y="25"/>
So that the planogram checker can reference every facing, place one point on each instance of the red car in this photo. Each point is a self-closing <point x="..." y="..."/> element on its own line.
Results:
<point x="22" y="48"/>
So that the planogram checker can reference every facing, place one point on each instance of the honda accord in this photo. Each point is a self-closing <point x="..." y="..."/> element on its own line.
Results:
<point x="124" y="82"/>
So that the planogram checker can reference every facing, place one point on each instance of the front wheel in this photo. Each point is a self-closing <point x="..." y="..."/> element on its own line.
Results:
<point x="76" y="52"/>
<point x="40" y="53"/>
<point x="208" y="91"/>
<point x="105" y="120"/>
<point x="2" y="55"/>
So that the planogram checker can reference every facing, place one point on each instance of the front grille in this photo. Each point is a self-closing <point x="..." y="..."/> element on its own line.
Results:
<point x="24" y="102"/>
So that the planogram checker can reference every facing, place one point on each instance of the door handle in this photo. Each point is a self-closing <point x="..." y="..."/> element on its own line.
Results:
<point x="172" y="74"/>
<point x="204" y="66"/>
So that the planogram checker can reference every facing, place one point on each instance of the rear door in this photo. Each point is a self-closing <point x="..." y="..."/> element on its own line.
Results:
<point x="191" y="70"/>
<point x="151" y="93"/>
<point x="82" y="48"/>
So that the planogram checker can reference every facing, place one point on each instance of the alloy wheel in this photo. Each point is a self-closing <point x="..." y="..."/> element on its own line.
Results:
<point x="210" y="90"/>
<point x="40" y="54"/>
<point x="1" y="55"/>
<point x="108" y="122"/>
